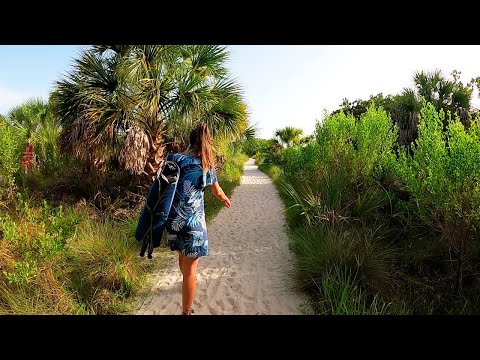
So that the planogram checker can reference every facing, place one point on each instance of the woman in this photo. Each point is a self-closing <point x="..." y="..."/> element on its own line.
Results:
<point x="186" y="227"/>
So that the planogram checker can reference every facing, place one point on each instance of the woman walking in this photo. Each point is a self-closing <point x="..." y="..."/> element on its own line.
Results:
<point x="186" y="227"/>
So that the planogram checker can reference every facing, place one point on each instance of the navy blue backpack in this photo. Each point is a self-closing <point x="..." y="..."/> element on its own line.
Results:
<point x="153" y="218"/>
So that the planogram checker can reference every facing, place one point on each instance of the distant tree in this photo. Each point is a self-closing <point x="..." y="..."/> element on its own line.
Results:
<point x="29" y="117"/>
<point x="447" y="94"/>
<point x="289" y="135"/>
<point x="306" y="139"/>
<point x="36" y="122"/>
<point x="359" y="106"/>
<point x="444" y="94"/>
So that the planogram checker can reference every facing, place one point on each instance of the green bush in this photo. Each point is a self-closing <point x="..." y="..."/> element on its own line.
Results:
<point x="337" y="260"/>
<point x="358" y="251"/>
<point x="362" y="148"/>
<point x="300" y="160"/>
<point x="263" y="151"/>
<point x="66" y="261"/>
<point x="11" y="144"/>
<point x="255" y="145"/>
<point x="353" y="177"/>
<point x="33" y="256"/>
<point x="443" y="178"/>
<point x="336" y="177"/>
<point x="334" y="205"/>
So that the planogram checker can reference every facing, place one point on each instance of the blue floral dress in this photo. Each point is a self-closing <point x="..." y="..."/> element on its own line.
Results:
<point x="186" y="227"/>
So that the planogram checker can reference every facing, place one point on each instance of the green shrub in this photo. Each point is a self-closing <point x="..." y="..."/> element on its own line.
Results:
<point x="375" y="139"/>
<point x="358" y="252"/>
<point x="360" y="148"/>
<point x="301" y="159"/>
<point x="336" y="177"/>
<point x="273" y="171"/>
<point x="443" y="178"/>
<point x="253" y="146"/>
<point x="11" y="144"/>
<point x="64" y="261"/>
<point x="33" y="259"/>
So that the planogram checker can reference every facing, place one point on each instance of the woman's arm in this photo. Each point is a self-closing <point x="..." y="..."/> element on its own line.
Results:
<point x="218" y="192"/>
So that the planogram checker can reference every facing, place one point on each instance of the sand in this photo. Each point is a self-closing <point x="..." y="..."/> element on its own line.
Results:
<point x="249" y="266"/>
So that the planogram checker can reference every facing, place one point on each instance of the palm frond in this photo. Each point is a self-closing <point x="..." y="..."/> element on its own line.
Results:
<point x="250" y="132"/>
<point x="289" y="135"/>
<point x="122" y="95"/>
<point x="207" y="60"/>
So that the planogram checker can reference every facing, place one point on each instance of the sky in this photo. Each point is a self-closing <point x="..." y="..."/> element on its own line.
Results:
<point x="30" y="71"/>
<point x="284" y="85"/>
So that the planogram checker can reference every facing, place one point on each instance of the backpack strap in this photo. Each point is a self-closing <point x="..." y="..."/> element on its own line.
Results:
<point x="162" y="164"/>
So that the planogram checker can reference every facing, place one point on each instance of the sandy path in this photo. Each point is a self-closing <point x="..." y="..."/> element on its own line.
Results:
<point x="246" y="271"/>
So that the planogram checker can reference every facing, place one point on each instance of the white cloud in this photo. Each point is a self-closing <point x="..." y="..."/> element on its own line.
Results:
<point x="10" y="98"/>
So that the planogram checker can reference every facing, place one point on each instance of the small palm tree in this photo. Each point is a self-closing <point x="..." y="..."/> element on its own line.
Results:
<point x="289" y="135"/>
<point x="37" y="124"/>
<point x="29" y="117"/>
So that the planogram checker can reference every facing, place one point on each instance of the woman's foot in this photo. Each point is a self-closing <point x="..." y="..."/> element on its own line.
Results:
<point x="188" y="312"/>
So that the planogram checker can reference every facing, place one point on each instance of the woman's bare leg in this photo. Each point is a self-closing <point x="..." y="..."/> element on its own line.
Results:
<point x="189" y="270"/>
<point x="180" y="261"/>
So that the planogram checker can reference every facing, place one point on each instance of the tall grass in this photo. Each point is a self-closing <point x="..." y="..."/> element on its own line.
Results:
<point x="56" y="260"/>
<point x="341" y="295"/>
<point x="357" y="252"/>
<point x="104" y="264"/>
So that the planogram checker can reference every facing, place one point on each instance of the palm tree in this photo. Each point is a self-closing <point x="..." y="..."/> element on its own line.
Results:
<point x="35" y="121"/>
<point x="289" y="135"/>
<point x="29" y="117"/>
<point x="126" y="100"/>
<point x="433" y="87"/>
<point x="442" y="93"/>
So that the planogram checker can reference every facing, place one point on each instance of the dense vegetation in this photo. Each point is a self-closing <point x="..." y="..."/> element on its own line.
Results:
<point x="383" y="200"/>
<point x="382" y="222"/>
<point x="67" y="216"/>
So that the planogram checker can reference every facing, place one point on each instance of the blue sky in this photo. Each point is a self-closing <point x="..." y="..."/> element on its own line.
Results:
<point x="30" y="71"/>
<point x="284" y="85"/>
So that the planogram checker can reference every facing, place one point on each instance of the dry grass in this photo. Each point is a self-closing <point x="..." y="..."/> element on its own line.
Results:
<point x="67" y="261"/>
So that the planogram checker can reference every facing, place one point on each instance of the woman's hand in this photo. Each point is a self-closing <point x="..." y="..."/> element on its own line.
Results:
<point x="218" y="192"/>
<point x="227" y="202"/>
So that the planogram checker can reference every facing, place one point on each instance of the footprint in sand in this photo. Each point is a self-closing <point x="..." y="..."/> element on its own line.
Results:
<point x="237" y="287"/>
<point x="231" y="301"/>
<point x="220" y="304"/>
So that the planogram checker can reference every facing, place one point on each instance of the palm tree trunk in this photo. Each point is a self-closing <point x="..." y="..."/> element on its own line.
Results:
<point x="155" y="155"/>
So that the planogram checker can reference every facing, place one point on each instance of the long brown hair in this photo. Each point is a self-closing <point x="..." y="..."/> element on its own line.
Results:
<point x="201" y="142"/>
